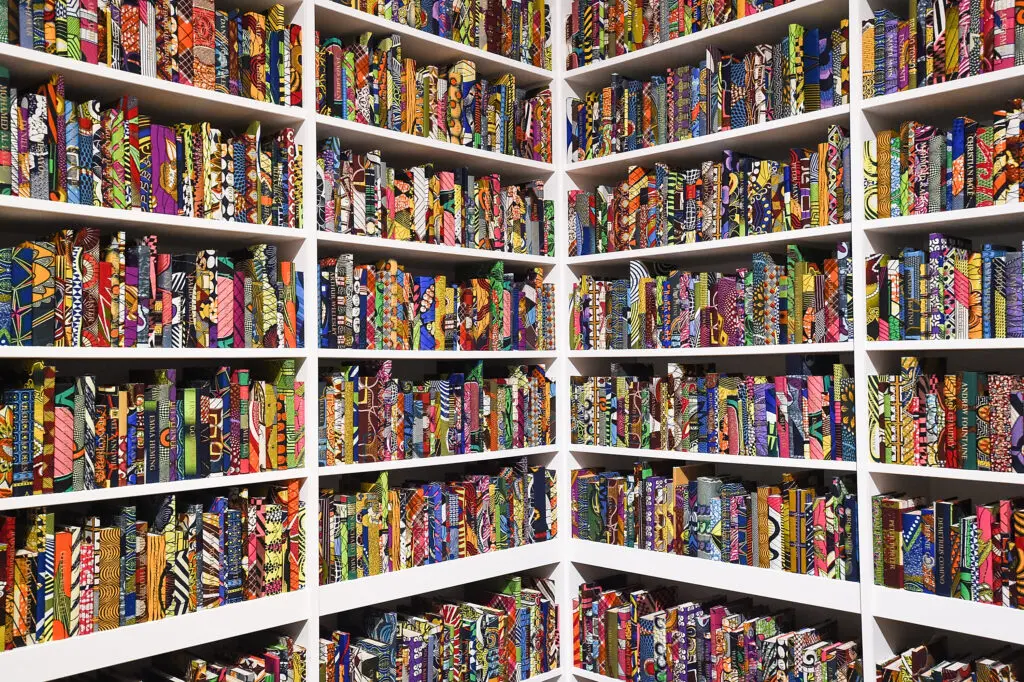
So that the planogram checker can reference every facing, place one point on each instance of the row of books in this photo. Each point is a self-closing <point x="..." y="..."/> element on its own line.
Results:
<point x="695" y="409"/>
<point x="70" y="434"/>
<point x="82" y="289"/>
<point x="362" y="195"/>
<point x="279" y="660"/>
<point x="243" y="53"/>
<point x="385" y="307"/>
<point x="503" y="629"/>
<point x="807" y="300"/>
<point x="950" y="547"/>
<point x="932" y="662"/>
<point x="925" y="415"/>
<point x="939" y="42"/>
<point x="802" y="525"/>
<point x="739" y="196"/>
<point x="382" y="529"/>
<point x="370" y="415"/>
<point x="920" y="168"/>
<point x="368" y="81"/>
<point x="628" y="632"/>
<point x="518" y="30"/>
<point x="121" y="570"/>
<point x="952" y="292"/>
<point x="800" y="74"/>
<point x="601" y="29"/>
<point x="114" y="156"/>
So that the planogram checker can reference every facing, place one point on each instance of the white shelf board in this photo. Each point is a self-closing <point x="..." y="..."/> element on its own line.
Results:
<point x="419" y="251"/>
<point x="16" y="211"/>
<point x="362" y="592"/>
<point x="158" y="98"/>
<point x="428" y="462"/>
<point x="803" y="589"/>
<point x="943" y="613"/>
<point x="715" y="351"/>
<point x="177" y="355"/>
<point x="739" y="35"/>
<point x="51" y="660"/>
<point x="135" y="491"/>
<point x="513" y="355"/>
<point x="716" y="458"/>
<point x="719" y="247"/>
<point x="333" y="18"/>
<point x="596" y="677"/>
<point x="975" y="96"/>
<point x="778" y="135"/>
<point x="544" y="677"/>
<point x="1004" y="477"/>
<point x="944" y="345"/>
<point x="988" y="217"/>
<point x="397" y="147"/>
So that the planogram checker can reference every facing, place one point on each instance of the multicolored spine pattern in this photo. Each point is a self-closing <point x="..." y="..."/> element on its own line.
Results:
<point x="723" y="94"/>
<point x="368" y="415"/>
<point x="368" y="81"/>
<point x="115" y="571"/>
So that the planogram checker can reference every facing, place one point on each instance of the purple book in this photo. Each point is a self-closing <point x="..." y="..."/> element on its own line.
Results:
<point x="1014" y="295"/>
<point x="165" y="169"/>
<point x="760" y="419"/>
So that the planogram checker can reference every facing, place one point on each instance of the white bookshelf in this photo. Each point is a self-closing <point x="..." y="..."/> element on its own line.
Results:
<point x="864" y="600"/>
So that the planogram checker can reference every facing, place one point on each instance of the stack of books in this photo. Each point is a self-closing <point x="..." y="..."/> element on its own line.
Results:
<point x="740" y="196"/>
<point x="243" y="53"/>
<point x="382" y="529"/>
<point x="385" y="307"/>
<point x="932" y="662"/>
<point x="809" y="299"/>
<point x="61" y="435"/>
<point x="627" y="633"/>
<point x="601" y="29"/>
<point x="282" y="660"/>
<point x="951" y="548"/>
<point x="363" y="196"/>
<point x="952" y="292"/>
<point x="938" y="43"/>
<point x="804" y="524"/>
<point x="928" y="416"/>
<point x="369" y="415"/>
<point x="800" y="74"/>
<point x="120" y="570"/>
<point x="506" y="629"/>
<point x="804" y="415"/>
<point x="368" y="81"/>
<point x="920" y="168"/>
<point x="80" y="289"/>
<point x="117" y="157"/>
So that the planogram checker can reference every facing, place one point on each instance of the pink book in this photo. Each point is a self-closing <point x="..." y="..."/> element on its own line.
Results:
<point x="820" y="549"/>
